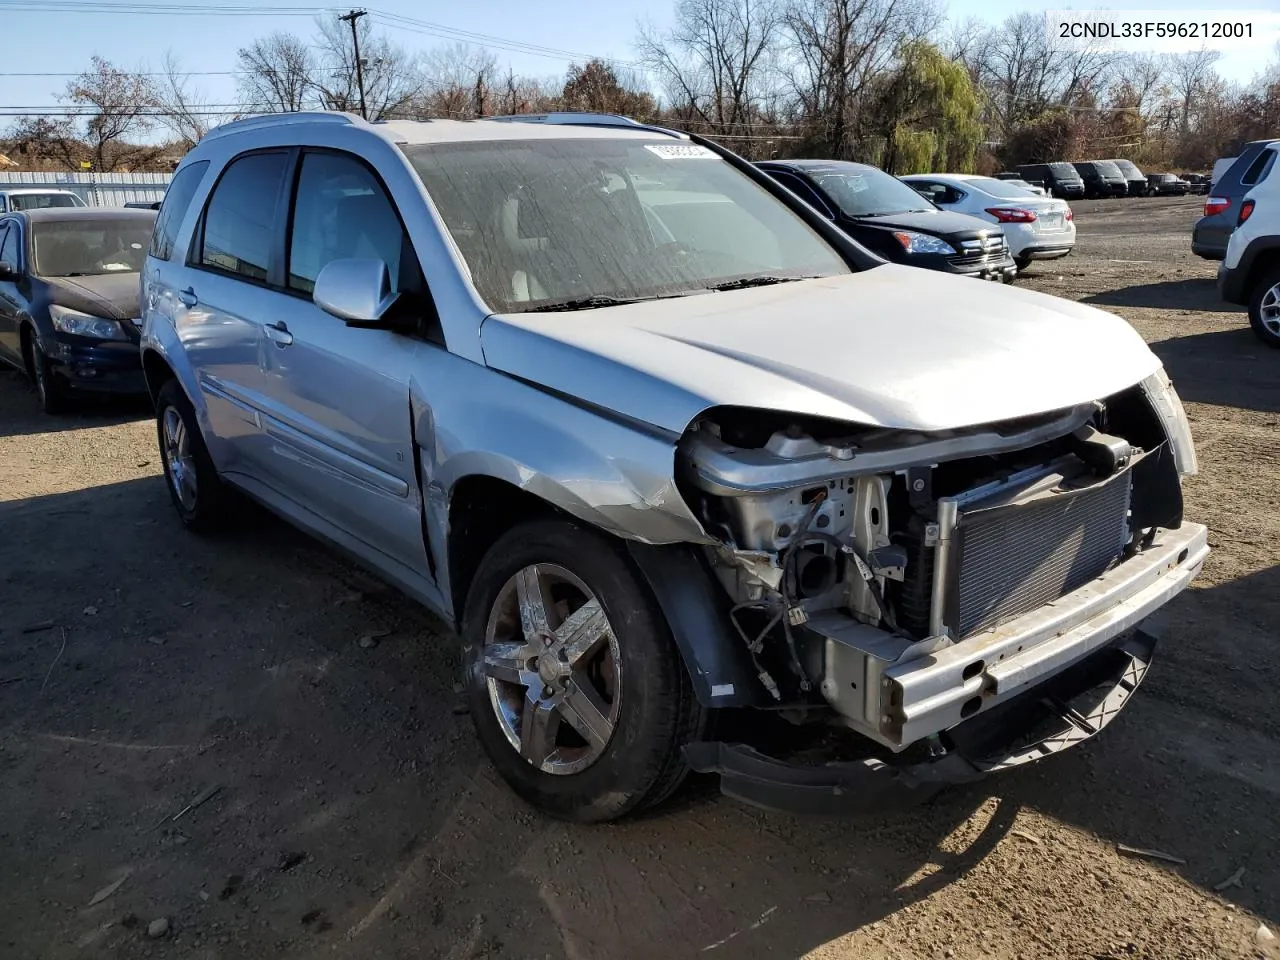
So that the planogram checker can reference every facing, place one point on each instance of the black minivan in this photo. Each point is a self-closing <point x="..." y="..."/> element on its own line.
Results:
<point x="891" y="219"/>
<point x="1102" y="178"/>
<point x="1136" y="179"/>
<point x="1060" y="179"/>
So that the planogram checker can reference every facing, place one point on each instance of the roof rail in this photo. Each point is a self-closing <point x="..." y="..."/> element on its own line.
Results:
<point x="279" y="119"/>
<point x="585" y="118"/>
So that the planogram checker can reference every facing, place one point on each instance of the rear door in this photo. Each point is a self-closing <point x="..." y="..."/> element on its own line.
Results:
<point x="224" y="297"/>
<point x="335" y="399"/>
<point x="10" y="299"/>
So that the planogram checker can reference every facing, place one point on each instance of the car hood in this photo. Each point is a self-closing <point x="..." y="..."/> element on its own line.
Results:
<point x="892" y="346"/>
<point x="940" y="223"/>
<point x="112" y="295"/>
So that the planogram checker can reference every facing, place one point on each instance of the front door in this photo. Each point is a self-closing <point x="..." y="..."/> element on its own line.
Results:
<point x="336" y="398"/>
<point x="10" y="300"/>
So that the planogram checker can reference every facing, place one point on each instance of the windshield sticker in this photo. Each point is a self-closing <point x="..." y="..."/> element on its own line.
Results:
<point x="681" y="151"/>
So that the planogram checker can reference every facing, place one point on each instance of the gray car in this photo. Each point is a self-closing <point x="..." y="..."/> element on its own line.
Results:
<point x="1212" y="231"/>
<point x="667" y="450"/>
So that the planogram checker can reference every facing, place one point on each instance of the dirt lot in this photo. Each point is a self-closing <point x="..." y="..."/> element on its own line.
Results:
<point x="353" y="816"/>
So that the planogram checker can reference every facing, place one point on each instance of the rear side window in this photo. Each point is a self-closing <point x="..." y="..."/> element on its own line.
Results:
<point x="8" y="245"/>
<point x="176" y="201"/>
<point x="240" y="220"/>
<point x="799" y="187"/>
<point x="1259" y="169"/>
<point x="341" y="211"/>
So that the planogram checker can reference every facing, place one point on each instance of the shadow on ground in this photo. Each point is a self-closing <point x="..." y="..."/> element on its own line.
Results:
<point x="1194" y="293"/>
<point x="1229" y="368"/>
<point x="23" y="416"/>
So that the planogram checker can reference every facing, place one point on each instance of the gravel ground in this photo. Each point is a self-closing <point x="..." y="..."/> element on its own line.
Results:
<point x="142" y="667"/>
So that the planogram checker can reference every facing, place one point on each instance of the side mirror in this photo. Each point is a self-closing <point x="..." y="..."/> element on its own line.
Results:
<point x="357" y="291"/>
<point x="8" y="271"/>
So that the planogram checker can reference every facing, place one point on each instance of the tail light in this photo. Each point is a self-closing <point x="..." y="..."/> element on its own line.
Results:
<point x="1012" y="214"/>
<point x="1069" y="215"/>
<point x="1215" y="205"/>
<point x="1246" y="211"/>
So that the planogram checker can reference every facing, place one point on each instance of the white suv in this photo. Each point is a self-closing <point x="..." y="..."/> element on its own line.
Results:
<point x="1250" y="272"/>
<point x="659" y="440"/>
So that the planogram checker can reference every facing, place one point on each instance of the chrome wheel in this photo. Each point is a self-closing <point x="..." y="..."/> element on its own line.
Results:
<point x="179" y="464"/>
<point x="1269" y="311"/>
<point x="551" y="664"/>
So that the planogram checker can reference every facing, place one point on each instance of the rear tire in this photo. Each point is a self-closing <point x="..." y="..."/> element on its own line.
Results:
<point x="624" y="752"/>
<point x="1022" y="263"/>
<point x="194" y="486"/>
<point x="1264" y="309"/>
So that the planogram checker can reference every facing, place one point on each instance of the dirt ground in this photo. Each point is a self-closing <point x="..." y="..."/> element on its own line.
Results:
<point x="142" y="667"/>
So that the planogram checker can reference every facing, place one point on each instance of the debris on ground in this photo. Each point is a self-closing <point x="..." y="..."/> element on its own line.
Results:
<point x="1231" y="881"/>
<point x="1029" y="837"/>
<point x="38" y="627"/>
<point x="291" y="859"/>
<point x="90" y="611"/>
<point x="370" y="640"/>
<point x="204" y="796"/>
<point x="1150" y="854"/>
<point x="158" y="928"/>
<point x="109" y="889"/>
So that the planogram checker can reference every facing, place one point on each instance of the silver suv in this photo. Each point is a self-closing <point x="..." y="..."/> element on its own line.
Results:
<point x="669" y="451"/>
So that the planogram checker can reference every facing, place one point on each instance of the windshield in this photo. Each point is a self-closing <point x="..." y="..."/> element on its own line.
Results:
<point x="88" y="248"/>
<point x="1108" y="170"/>
<point x="1128" y="168"/>
<point x="38" y="201"/>
<point x="542" y="222"/>
<point x="1004" y="189"/>
<point x="868" y="192"/>
<point x="1064" y="171"/>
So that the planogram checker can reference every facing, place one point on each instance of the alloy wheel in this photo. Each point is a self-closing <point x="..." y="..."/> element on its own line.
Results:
<point x="1269" y="311"/>
<point x="180" y="464"/>
<point x="553" y="670"/>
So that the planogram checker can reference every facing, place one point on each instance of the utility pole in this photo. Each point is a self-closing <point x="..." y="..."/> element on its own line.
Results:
<point x="351" y="18"/>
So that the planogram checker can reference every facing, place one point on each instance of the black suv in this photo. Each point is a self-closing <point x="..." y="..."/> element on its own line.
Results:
<point x="1060" y="179"/>
<point x="1135" y="178"/>
<point x="891" y="219"/>
<point x="1166" y="185"/>
<point x="1222" y="207"/>
<point x="1102" y="178"/>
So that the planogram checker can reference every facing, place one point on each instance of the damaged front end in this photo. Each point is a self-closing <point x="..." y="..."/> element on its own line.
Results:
<point x="917" y="588"/>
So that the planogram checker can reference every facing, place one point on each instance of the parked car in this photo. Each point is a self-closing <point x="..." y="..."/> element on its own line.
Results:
<point x="1060" y="179"/>
<point x="894" y="221"/>
<point x="1166" y="185"/>
<point x="69" y="299"/>
<point x="1034" y="189"/>
<point x="15" y="200"/>
<point x="143" y="204"/>
<point x="1250" y="270"/>
<point x="762" y="474"/>
<point x="1135" y="179"/>
<point x="1036" y="228"/>
<point x="1102" y="179"/>
<point x="1232" y="180"/>
<point x="1197" y="183"/>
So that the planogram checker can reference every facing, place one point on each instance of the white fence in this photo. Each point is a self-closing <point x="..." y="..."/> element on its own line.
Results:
<point x="96" y="189"/>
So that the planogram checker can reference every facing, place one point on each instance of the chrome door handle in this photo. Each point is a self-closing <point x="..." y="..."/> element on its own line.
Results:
<point x="278" y="333"/>
<point x="188" y="297"/>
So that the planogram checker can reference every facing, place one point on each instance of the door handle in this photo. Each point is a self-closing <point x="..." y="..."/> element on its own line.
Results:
<point x="188" y="297"/>
<point x="278" y="333"/>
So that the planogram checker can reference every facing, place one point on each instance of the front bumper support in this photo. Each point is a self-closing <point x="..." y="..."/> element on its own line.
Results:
<point x="1050" y="717"/>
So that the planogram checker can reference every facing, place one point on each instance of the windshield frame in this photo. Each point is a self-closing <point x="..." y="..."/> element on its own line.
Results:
<point x="834" y="253"/>
<point x="39" y="229"/>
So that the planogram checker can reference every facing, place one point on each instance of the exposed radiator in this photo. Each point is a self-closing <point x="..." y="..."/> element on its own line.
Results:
<point x="1009" y="559"/>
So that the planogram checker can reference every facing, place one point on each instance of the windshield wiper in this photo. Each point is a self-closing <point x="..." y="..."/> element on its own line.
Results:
<point x="755" y="282"/>
<point x="593" y="303"/>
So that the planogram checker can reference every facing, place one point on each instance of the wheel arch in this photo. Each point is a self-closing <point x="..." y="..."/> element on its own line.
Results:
<point x="157" y="371"/>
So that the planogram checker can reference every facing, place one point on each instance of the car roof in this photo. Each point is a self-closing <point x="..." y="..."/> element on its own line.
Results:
<point x="46" y="214"/>
<point x="40" y="190"/>
<point x="819" y="166"/>
<point x="544" y="126"/>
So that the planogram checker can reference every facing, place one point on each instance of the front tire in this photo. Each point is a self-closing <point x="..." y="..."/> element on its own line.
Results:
<point x="1022" y="263"/>
<point x="1264" y="309"/>
<point x="197" y="493"/>
<point x="50" y="391"/>
<point x="575" y="687"/>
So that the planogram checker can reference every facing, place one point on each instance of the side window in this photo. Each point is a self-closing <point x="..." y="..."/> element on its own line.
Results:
<point x="9" y="244"/>
<point x="341" y="211"/>
<point x="240" y="220"/>
<point x="798" y="186"/>
<point x="1259" y="169"/>
<point x="177" y="200"/>
<point x="4" y="204"/>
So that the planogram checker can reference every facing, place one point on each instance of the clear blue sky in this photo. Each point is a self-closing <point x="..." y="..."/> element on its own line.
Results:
<point x="62" y="42"/>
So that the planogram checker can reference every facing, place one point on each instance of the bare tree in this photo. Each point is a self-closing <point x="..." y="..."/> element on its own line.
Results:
<point x="1190" y="75"/>
<point x="180" y="109"/>
<point x="838" y="48"/>
<point x="716" y="60"/>
<point x="458" y="83"/>
<point x="392" y="78"/>
<point x="46" y="140"/>
<point x="597" y="87"/>
<point x="118" y="106"/>
<point x="276" y="74"/>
